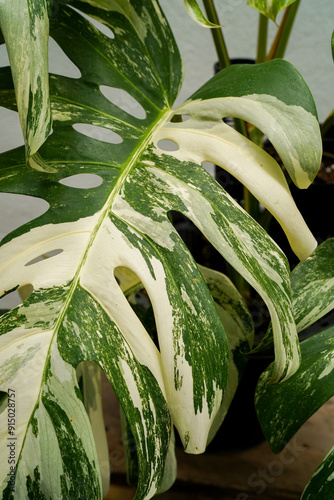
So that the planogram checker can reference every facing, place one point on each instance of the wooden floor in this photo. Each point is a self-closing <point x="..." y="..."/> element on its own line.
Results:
<point x="253" y="474"/>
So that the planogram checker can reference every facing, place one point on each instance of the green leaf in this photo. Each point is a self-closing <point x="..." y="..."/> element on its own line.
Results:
<point x="237" y="322"/>
<point x="25" y="27"/>
<point x="274" y="97"/>
<point x="195" y="13"/>
<point x="270" y="8"/>
<point x="312" y="385"/>
<point x="321" y="483"/>
<point x="312" y="283"/>
<point x="77" y="312"/>
<point x="305" y="392"/>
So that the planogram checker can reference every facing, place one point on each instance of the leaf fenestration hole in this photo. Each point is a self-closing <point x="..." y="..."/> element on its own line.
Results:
<point x="100" y="26"/>
<point x="18" y="209"/>
<point x="60" y="63"/>
<point x="16" y="297"/>
<point x="82" y="181"/>
<point x="4" y="60"/>
<point x="44" y="256"/>
<point x="168" y="145"/>
<point x="199" y="246"/>
<point x="138" y="299"/>
<point x="124" y="100"/>
<point x="99" y="133"/>
<point x="209" y="167"/>
<point x="11" y="132"/>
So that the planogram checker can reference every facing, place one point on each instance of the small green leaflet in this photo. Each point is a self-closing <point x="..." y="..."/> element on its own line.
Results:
<point x="197" y="15"/>
<point x="25" y="27"/>
<point x="270" y="8"/>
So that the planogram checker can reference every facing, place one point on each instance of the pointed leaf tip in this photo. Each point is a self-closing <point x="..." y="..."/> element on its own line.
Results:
<point x="195" y="13"/>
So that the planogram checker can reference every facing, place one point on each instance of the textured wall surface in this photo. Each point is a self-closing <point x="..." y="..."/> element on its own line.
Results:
<point x="309" y="47"/>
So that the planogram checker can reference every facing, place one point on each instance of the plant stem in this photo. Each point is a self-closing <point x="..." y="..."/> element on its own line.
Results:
<point x="262" y="39"/>
<point x="283" y="33"/>
<point x="327" y="124"/>
<point x="221" y="50"/>
<point x="217" y="34"/>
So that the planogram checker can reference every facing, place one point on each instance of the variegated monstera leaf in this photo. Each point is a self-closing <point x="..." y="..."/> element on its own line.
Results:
<point x="284" y="408"/>
<point x="77" y="311"/>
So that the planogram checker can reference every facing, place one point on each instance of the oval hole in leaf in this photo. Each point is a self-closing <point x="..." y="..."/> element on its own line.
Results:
<point x="99" y="133"/>
<point x="60" y="63"/>
<point x="15" y="297"/>
<point x="100" y="26"/>
<point x="124" y="100"/>
<point x="45" y="256"/>
<point x="11" y="132"/>
<point x="82" y="181"/>
<point x="18" y="209"/>
<point x="138" y="298"/>
<point x="4" y="61"/>
<point x="167" y="145"/>
<point x="209" y="167"/>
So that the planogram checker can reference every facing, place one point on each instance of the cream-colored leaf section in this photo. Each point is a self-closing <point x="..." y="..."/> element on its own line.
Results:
<point x="25" y="26"/>
<point x="287" y="357"/>
<point x="71" y="237"/>
<point x="201" y="140"/>
<point x="193" y="427"/>
<point x="41" y="444"/>
<point x="91" y="374"/>
<point x="293" y="131"/>
<point x="26" y="351"/>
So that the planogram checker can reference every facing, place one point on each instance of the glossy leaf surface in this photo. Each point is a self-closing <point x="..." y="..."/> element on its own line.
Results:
<point x="196" y="14"/>
<point x="270" y="8"/>
<point x="77" y="311"/>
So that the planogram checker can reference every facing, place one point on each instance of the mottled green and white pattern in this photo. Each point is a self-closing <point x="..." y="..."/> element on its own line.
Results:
<point x="270" y="8"/>
<point x="25" y="27"/>
<point x="195" y="13"/>
<point x="77" y="312"/>
<point x="313" y="384"/>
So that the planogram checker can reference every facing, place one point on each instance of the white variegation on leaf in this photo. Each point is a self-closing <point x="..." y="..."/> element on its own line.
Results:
<point x="109" y="233"/>
<point x="205" y="137"/>
<point x="312" y="283"/>
<point x="312" y="384"/>
<point x="270" y="8"/>
<point x="305" y="392"/>
<point x="25" y="27"/>
<point x="197" y="15"/>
